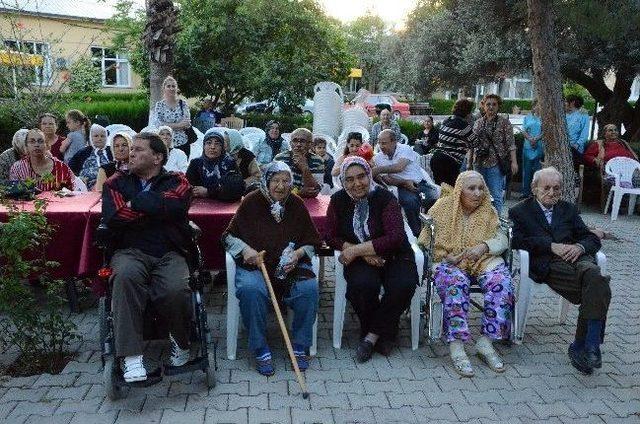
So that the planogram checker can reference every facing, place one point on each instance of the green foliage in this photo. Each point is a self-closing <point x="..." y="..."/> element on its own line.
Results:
<point x="368" y="36"/>
<point x="40" y="333"/>
<point x="85" y="77"/>
<point x="232" y="49"/>
<point x="441" y="106"/>
<point x="411" y="129"/>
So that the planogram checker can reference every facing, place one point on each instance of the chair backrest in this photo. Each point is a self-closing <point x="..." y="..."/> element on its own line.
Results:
<point x="622" y="169"/>
<point x="79" y="185"/>
<point x="232" y="122"/>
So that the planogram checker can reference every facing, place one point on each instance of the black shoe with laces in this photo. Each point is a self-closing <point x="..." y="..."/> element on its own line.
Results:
<point x="364" y="351"/>
<point x="578" y="361"/>
<point x="593" y="358"/>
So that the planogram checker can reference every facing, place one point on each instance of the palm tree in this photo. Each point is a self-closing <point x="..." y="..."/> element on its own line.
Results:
<point x="159" y="40"/>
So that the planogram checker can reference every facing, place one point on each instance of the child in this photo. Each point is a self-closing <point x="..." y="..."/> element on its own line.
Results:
<point x="320" y="149"/>
<point x="78" y="125"/>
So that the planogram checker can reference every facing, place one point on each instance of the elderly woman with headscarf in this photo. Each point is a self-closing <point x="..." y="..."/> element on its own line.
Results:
<point x="177" y="159"/>
<point x="270" y="220"/>
<point x="244" y="158"/>
<point x="14" y="153"/>
<point x="273" y="143"/>
<point x="121" y="145"/>
<point x="46" y="172"/>
<point x="87" y="161"/>
<point x="207" y="172"/>
<point x="365" y="223"/>
<point x="467" y="246"/>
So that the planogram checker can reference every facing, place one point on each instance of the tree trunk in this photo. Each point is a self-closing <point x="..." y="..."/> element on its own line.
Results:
<point x="548" y="82"/>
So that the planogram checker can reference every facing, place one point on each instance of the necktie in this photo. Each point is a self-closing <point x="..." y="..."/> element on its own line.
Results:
<point x="548" y="213"/>
<point x="102" y="158"/>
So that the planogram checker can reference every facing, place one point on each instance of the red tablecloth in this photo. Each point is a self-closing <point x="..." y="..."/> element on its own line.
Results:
<point x="211" y="216"/>
<point x="69" y="217"/>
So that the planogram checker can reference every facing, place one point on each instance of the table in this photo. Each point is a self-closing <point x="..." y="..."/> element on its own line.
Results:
<point x="70" y="218"/>
<point x="211" y="216"/>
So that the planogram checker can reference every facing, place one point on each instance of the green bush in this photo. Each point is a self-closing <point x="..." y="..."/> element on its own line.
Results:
<point x="441" y="106"/>
<point x="85" y="77"/>
<point x="411" y="129"/>
<point x="104" y="97"/>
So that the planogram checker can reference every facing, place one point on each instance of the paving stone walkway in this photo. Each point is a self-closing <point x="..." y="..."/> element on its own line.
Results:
<point x="409" y="386"/>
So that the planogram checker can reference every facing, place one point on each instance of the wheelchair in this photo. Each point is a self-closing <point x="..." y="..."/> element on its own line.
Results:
<point x="434" y="309"/>
<point x="115" y="385"/>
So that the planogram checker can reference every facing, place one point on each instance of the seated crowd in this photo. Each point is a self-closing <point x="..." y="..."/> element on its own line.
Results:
<point x="148" y="182"/>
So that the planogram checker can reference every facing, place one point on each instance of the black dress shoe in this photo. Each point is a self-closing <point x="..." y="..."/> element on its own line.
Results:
<point x="593" y="358"/>
<point x="384" y="346"/>
<point x="578" y="360"/>
<point x="364" y="351"/>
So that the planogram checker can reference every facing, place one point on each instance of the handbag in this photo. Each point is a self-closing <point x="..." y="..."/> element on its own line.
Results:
<point x="190" y="132"/>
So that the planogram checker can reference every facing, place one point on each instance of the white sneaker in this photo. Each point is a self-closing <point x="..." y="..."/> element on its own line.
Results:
<point x="179" y="356"/>
<point x="133" y="369"/>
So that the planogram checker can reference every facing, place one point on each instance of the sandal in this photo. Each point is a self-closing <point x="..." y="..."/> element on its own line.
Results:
<point x="493" y="360"/>
<point x="462" y="365"/>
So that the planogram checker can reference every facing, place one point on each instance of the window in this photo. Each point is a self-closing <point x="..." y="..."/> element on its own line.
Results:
<point x="37" y="75"/>
<point x="114" y="66"/>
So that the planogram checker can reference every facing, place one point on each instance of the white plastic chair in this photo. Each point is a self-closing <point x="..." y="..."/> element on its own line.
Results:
<point x="340" y="300"/>
<point x="252" y="130"/>
<point x="529" y="288"/>
<point x="79" y="185"/>
<point x="233" y="309"/>
<point x="622" y="170"/>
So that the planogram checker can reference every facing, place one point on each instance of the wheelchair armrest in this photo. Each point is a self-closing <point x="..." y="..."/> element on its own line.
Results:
<point x="103" y="236"/>
<point x="195" y="230"/>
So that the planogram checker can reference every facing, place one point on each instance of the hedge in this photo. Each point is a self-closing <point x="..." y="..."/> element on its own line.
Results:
<point x="288" y="123"/>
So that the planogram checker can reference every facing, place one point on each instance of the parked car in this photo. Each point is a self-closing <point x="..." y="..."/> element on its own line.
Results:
<point x="399" y="109"/>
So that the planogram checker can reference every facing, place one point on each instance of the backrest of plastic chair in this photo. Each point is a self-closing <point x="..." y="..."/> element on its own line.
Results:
<point x="405" y="139"/>
<point x="252" y="130"/>
<point x="622" y="169"/>
<point x="79" y="185"/>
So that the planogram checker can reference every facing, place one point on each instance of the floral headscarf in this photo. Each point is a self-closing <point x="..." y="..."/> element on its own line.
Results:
<point x="361" y="206"/>
<point x="277" y="207"/>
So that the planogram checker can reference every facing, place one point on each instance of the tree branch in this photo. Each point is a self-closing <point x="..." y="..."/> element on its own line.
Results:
<point x="595" y="84"/>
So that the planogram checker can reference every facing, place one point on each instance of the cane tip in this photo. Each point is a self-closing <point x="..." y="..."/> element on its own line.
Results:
<point x="305" y="395"/>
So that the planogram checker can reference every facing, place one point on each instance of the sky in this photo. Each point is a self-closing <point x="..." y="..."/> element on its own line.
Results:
<point x="393" y="12"/>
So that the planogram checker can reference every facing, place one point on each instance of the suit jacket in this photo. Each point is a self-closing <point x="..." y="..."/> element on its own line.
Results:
<point x="533" y="233"/>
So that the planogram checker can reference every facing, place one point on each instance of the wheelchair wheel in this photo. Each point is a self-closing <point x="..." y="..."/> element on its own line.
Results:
<point x="114" y="392"/>
<point x="211" y="373"/>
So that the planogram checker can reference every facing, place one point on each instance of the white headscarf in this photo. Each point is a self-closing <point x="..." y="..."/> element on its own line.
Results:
<point x="98" y="128"/>
<point x="19" y="141"/>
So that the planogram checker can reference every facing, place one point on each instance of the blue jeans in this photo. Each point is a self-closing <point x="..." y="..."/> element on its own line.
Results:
<point x="411" y="203"/>
<point x="495" y="180"/>
<point x="253" y="294"/>
<point x="529" y="167"/>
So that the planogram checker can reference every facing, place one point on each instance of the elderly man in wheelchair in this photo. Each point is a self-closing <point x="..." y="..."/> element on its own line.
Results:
<point x="465" y="243"/>
<point x="146" y="210"/>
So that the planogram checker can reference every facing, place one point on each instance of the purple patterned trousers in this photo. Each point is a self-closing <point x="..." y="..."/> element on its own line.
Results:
<point x="453" y="287"/>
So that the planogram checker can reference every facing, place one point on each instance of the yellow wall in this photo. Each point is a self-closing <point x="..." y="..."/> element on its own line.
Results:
<point x="69" y="39"/>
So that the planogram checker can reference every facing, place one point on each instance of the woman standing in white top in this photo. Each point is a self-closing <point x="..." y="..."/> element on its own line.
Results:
<point x="176" y="160"/>
<point x="173" y="112"/>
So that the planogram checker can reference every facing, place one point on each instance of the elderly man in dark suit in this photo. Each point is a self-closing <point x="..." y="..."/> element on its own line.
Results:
<point x="562" y="251"/>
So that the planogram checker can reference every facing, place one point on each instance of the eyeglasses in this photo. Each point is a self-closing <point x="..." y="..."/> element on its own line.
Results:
<point x="36" y="141"/>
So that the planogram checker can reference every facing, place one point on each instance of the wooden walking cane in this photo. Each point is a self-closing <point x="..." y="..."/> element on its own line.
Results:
<point x="283" y="328"/>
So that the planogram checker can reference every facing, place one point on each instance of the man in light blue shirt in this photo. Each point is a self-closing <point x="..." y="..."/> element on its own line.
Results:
<point x="577" y="123"/>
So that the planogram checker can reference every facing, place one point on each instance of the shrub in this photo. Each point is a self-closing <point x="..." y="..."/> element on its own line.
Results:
<point x="411" y="129"/>
<point x="84" y="76"/>
<point x="40" y="333"/>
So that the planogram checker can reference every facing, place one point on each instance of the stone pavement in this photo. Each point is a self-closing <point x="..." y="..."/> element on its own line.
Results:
<point x="410" y="386"/>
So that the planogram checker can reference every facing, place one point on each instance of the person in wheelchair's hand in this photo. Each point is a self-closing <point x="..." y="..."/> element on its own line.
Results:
<point x="468" y="244"/>
<point x="268" y="220"/>
<point x="147" y="210"/>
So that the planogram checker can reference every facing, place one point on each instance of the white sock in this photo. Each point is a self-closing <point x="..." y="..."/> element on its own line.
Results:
<point x="485" y="345"/>
<point x="456" y="349"/>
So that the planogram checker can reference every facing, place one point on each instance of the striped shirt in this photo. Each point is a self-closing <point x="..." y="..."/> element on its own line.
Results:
<point x="315" y="163"/>
<point x="454" y="137"/>
<point x="61" y="175"/>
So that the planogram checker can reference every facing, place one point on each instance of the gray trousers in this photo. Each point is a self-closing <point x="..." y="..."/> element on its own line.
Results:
<point x="581" y="283"/>
<point x="140" y="279"/>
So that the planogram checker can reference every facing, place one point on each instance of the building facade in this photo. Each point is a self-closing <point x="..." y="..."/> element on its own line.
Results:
<point x="57" y="33"/>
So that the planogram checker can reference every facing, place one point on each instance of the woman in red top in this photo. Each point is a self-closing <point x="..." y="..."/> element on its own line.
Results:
<point x="601" y="151"/>
<point x="48" y="124"/>
<point x="48" y="173"/>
